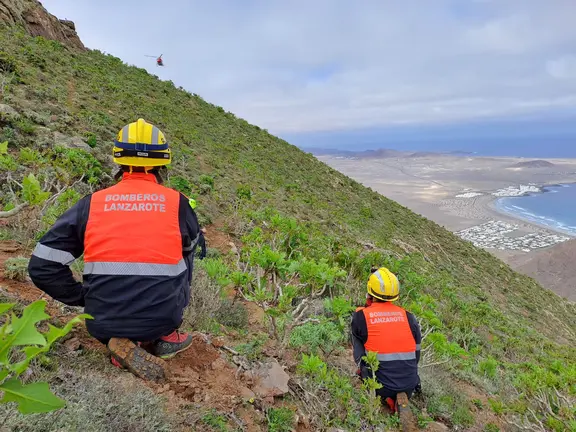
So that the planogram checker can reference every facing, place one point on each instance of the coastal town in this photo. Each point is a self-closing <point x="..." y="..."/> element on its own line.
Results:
<point x="499" y="235"/>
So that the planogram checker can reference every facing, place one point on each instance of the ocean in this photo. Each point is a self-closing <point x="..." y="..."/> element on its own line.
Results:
<point x="554" y="208"/>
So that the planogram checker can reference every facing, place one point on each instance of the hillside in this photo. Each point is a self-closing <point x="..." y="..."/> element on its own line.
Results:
<point x="554" y="268"/>
<point x="282" y="227"/>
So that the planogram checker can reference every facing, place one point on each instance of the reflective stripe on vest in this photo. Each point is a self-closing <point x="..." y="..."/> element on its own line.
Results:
<point x="133" y="229"/>
<point x="389" y="333"/>
<point x="134" y="269"/>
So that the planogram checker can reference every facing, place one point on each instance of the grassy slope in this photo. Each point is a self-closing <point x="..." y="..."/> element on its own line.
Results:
<point x="492" y="318"/>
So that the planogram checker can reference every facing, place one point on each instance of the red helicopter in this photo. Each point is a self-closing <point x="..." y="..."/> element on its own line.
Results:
<point x="159" y="61"/>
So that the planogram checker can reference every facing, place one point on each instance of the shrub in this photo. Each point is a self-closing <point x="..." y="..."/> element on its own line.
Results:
<point x="312" y="337"/>
<point x="16" y="268"/>
<point x="489" y="367"/>
<point x="280" y="420"/>
<point x="232" y="314"/>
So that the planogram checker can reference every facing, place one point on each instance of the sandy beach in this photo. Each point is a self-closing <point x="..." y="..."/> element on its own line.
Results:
<point x="458" y="193"/>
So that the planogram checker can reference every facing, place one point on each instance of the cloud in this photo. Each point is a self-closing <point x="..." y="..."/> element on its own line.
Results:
<point x="563" y="67"/>
<point x="302" y="66"/>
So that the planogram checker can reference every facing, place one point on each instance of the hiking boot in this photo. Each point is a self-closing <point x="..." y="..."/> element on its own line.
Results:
<point x="168" y="346"/>
<point x="127" y="354"/>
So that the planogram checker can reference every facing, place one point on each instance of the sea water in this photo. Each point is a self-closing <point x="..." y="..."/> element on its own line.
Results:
<point x="554" y="207"/>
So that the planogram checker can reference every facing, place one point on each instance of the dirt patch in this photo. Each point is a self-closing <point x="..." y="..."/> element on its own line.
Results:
<point x="202" y="375"/>
<point x="218" y="239"/>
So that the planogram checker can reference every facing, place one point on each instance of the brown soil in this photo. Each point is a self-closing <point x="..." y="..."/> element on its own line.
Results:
<point x="217" y="239"/>
<point x="202" y="375"/>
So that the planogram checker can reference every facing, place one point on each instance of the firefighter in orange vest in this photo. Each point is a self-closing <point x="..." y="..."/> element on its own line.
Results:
<point x="391" y="332"/>
<point x="138" y="239"/>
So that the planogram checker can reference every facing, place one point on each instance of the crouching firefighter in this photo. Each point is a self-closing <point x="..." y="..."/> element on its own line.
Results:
<point x="391" y="332"/>
<point x="139" y="240"/>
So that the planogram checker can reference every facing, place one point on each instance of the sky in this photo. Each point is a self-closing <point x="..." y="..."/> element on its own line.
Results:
<point x="303" y="68"/>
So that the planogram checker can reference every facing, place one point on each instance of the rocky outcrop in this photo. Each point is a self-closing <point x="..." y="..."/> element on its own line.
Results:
<point x="39" y="22"/>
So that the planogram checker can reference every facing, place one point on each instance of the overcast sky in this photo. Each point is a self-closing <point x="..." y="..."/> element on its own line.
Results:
<point x="296" y="66"/>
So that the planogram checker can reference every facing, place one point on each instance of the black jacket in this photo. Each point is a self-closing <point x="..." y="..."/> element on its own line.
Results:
<point x="141" y="308"/>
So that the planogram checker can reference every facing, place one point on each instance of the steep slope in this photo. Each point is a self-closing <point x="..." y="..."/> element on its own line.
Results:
<point x="553" y="268"/>
<point x="498" y="345"/>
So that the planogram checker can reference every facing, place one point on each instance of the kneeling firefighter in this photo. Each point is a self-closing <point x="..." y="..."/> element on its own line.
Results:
<point x="139" y="240"/>
<point x="391" y="332"/>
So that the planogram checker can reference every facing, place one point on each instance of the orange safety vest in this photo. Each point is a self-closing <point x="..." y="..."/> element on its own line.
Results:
<point x="133" y="229"/>
<point x="389" y="333"/>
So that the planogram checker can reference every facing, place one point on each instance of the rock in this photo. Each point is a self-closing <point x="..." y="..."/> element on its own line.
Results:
<point x="218" y="342"/>
<point x="37" y="21"/>
<point x="246" y="393"/>
<point x="436" y="427"/>
<point x="35" y="117"/>
<point x="44" y="136"/>
<point x="270" y="379"/>
<point x="8" y="113"/>
<point x="72" y="344"/>
<point x="71" y="142"/>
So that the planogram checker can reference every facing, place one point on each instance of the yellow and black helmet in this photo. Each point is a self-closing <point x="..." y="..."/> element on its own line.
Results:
<point x="141" y="144"/>
<point x="384" y="285"/>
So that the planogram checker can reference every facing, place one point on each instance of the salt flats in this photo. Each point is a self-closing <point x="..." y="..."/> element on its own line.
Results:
<point x="494" y="234"/>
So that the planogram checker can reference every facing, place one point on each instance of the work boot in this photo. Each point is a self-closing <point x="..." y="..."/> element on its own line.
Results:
<point x="126" y="354"/>
<point x="168" y="346"/>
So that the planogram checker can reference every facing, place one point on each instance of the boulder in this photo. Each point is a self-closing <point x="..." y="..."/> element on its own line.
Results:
<point x="270" y="379"/>
<point x="8" y="113"/>
<point x="70" y="142"/>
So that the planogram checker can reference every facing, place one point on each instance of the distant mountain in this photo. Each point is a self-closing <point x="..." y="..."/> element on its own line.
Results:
<point x="373" y="154"/>
<point x="537" y="163"/>
<point x="425" y="154"/>
<point x="554" y="268"/>
<point x="381" y="153"/>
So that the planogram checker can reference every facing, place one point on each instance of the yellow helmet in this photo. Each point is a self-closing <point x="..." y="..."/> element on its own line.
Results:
<point x="384" y="285"/>
<point x="141" y="144"/>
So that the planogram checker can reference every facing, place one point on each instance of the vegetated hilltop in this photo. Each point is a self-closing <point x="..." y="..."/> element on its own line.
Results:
<point x="286" y="231"/>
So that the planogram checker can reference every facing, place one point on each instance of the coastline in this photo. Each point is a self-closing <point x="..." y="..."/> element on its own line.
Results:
<point x="493" y="206"/>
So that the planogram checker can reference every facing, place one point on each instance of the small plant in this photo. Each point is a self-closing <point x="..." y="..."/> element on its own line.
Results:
<point x="462" y="416"/>
<point x="16" y="268"/>
<point x="371" y="385"/>
<point x="232" y="314"/>
<point x="497" y="406"/>
<point x="21" y="332"/>
<point x="491" y="427"/>
<point x="489" y="367"/>
<point x="215" y="420"/>
<point x="280" y="420"/>
<point x="32" y="192"/>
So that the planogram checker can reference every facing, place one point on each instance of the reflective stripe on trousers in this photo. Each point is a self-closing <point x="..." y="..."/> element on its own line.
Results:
<point x="397" y="356"/>
<point x="134" y="269"/>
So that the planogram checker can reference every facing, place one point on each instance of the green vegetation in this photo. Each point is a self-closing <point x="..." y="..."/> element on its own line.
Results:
<point x="280" y="420"/>
<point x="308" y="234"/>
<point x="21" y="331"/>
<point x="16" y="268"/>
